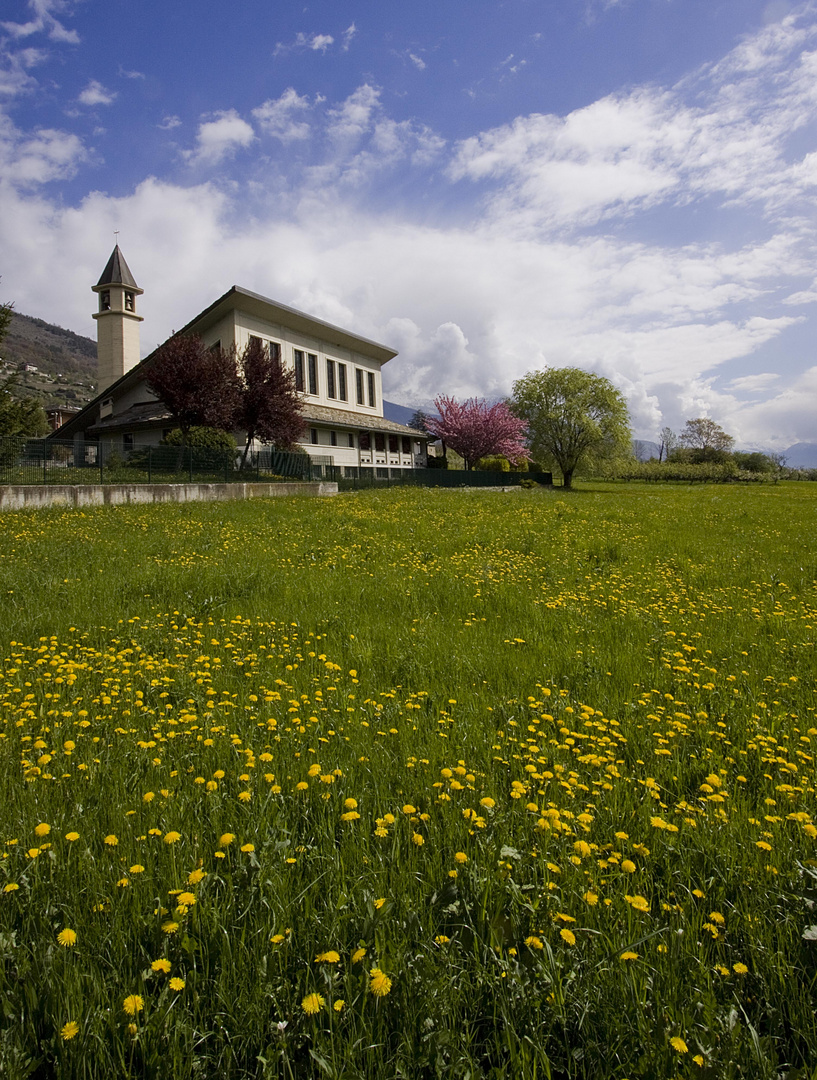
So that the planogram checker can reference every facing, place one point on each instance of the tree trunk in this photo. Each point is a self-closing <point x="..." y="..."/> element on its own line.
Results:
<point x="567" y="478"/>
<point x="247" y="444"/>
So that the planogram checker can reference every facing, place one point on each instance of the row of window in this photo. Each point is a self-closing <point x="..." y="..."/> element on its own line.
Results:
<point x="396" y="443"/>
<point x="337" y="385"/>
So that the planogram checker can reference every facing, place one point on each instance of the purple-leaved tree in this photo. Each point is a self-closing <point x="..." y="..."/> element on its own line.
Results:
<point x="200" y="386"/>
<point x="476" y="429"/>
<point x="270" y="405"/>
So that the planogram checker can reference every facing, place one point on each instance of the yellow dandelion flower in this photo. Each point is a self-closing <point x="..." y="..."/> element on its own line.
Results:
<point x="487" y="802"/>
<point x="409" y="809"/>
<point x="110" y="840"/>
<point x="312" y="1004"/>
<point x="358" y="955"/>
<point x="379" y="902"/>
<point x="69" y="1030"/>
<point x="628" y="866"/>
<point x="567" y="936"/>
<point x="350" y="815"/>
<point x="591" y="898"/>
<point x="67" y="938"/>
<point x="133" y="1004"/>
<point x="43" y="829"/>
<point x="740" y="969"/>
<point x="195" y="876"/>
<point x="339" y="1005"/>
<point x="186" y="898"/>
<point x="678" y="1044"/>
<point x="247" y="848"/>
<point x="226" y="839"/>
<point x="276" y="939"/>
<point x="177" y="984"/>
<point x="330" y="957"/>
<point x="161" y="965"/>
<point x="302" y="786"/>
<point x="350" y="804"/>
<point x="534" y="943"/>
<point x="170" y="927"/>
<point x="72" y="836"/>
<point x="716" y="917"/>
<point x="11" y="887"/>
<point x="379" y="982"/>
<point x="629" y="955"/>
<point x="640" y="903"/>
<point x="137" y="869"/>
<point x="460" y="857"/>
<point x="441" y="939"/>
<point x="172" y="837"/>
<point x="417" y="839"/>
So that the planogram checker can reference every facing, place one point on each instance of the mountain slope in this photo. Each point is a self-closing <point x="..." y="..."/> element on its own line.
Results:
<point x="65" y="362"/>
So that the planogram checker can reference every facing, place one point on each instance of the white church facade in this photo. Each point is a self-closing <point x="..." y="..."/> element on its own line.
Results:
<point x="337" y="373"/>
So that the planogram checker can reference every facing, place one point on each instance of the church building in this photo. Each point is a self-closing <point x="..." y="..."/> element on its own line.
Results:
<point x="337" y="372"/>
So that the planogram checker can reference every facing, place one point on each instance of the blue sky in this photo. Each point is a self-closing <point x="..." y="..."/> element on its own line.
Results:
<point x="491" y="188"/>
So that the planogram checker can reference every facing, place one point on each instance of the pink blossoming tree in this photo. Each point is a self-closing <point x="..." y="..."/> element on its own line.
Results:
<point x="475" y="429"/>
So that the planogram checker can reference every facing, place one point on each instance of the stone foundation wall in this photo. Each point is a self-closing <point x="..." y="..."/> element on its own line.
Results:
<point x="35" y="496"/>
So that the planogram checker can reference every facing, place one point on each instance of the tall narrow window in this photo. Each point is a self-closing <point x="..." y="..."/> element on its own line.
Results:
<point x="313" y="373"/>
<point x="342" y="392"/>
<point x="351" y="440"/>
<point x="365" y="440"/>
<point x="379" y="442"/>
<point x="313" y="436"/>
<point x="275" y="352"/>
<point x="130" y="301"/>
<point x="333" y="438"/>
<point x="105" y="301"/>
<point x="392" y="444"/>
<point x="372" y="398"/>
<point x="359" y="384"/>
<point x="406" y="444"/>
<point x="298" y="359"/>
<point x="331" y="389"/>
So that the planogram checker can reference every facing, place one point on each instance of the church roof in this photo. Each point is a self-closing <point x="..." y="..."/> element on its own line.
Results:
<point x="117" y="272"/>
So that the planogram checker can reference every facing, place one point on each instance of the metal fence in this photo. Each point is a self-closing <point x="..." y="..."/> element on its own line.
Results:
<point x="47" y="461"/>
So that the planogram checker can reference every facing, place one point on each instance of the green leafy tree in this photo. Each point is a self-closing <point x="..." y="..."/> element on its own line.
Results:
<point x="573" y="416"/>
<point x="705" y="440"/>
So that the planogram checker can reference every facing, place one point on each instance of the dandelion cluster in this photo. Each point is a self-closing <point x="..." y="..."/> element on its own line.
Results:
<point x="539" y="769"/>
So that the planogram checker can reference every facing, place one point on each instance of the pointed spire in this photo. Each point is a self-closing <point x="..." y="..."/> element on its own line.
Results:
<point x="117" y="272"/>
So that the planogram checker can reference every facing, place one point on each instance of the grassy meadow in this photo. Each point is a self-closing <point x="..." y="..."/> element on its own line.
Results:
<point x="411" y="783"/>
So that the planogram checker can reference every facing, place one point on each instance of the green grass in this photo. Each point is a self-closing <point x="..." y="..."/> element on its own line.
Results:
<point x="547" y="757"/>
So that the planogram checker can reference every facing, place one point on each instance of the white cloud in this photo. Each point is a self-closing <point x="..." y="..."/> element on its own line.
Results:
<point x="96" y="94"/>
<point x="124" y="74"/>
<point x="284" y="117"/>
<point x="418" y="61"/>
<point x="220" y="138"/>
<point x="30" y="159"/>
<point x="348" y="34"/>
<point x="44" y="20"/>
<point x="169" y="122"/>
<point x="509" y="280"/>
<point x="312" y="42"/>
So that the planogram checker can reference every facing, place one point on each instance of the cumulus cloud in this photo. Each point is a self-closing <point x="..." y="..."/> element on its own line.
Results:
<point x="34" y="158"/>
<point x="519" y="276"/>
<point x="96" y="94"/>
<point x="348" y="34"/>
<point x="284" y="118"/>
<point x="220" y="138"/>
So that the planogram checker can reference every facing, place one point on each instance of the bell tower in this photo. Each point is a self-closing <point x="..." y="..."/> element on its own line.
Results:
<point x="117" y="328"/>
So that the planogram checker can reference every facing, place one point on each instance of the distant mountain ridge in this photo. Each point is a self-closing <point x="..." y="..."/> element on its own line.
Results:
<point x="65" y="362"/>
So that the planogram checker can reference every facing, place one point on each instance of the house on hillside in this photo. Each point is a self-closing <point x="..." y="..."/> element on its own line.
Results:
<point x="337" y="372"/>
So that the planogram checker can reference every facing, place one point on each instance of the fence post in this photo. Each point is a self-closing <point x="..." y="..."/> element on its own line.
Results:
<point x="100" y="446"/>
<point x="190" y="463"/>
<point x="45" y="463"/>
<point x="150" y="464"/>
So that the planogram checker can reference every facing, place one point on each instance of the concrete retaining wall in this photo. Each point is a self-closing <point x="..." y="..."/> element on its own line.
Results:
<point x="33" y="496"/>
